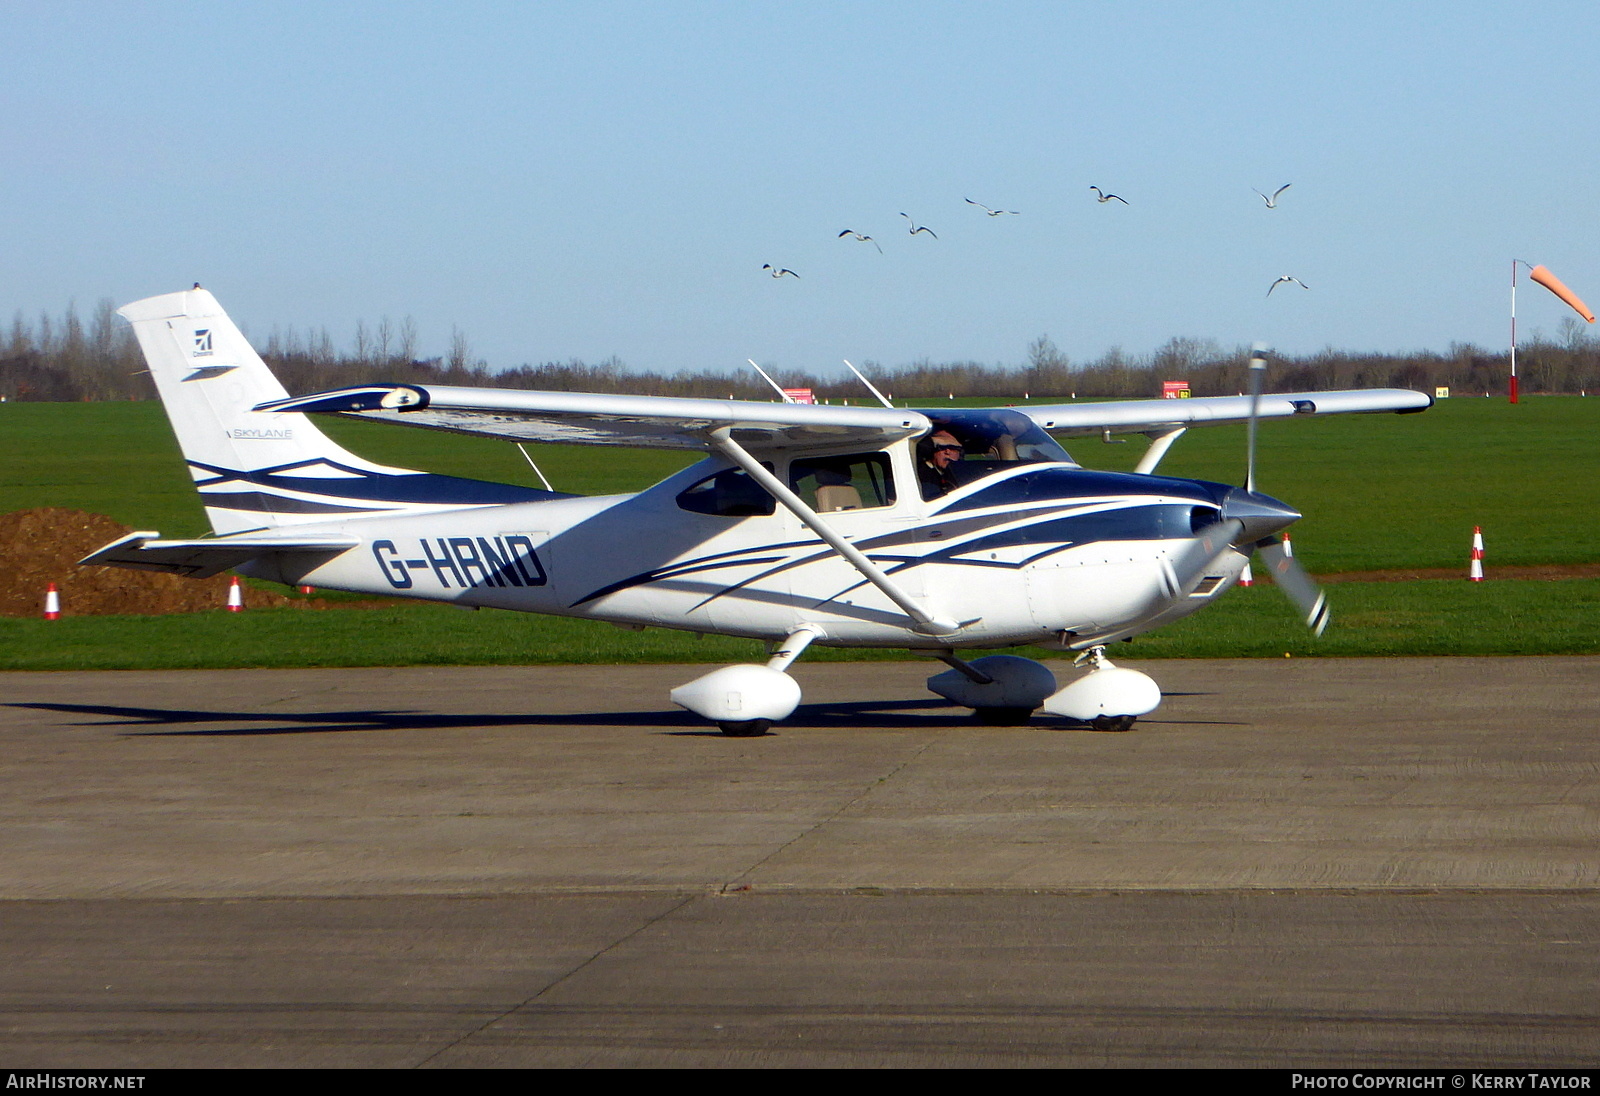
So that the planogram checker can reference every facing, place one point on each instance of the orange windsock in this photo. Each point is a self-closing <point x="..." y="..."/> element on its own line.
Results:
<point x="1554" y="285"/>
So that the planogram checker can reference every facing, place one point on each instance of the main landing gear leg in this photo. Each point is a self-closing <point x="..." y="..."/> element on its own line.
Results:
<point x="745" y="700"/>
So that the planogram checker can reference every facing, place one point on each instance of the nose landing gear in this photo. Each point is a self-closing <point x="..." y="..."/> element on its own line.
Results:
<point x="1108" y="697"/>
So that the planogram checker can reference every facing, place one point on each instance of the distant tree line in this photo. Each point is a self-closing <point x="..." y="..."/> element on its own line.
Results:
<point x="69" y="359"/>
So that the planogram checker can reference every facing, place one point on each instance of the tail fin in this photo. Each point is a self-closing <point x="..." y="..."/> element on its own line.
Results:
<point x="256" y="469"/>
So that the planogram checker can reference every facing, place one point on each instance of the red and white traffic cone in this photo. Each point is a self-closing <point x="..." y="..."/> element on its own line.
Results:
<point x="1475" y="568"/>
<point x="1288" y="549"/>
<point x="52" y="603"/>
<point x="1245" y="577"/>
<point x="235" y="598"/>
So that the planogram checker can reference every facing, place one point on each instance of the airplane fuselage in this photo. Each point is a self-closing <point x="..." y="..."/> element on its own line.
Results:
<point x="1032" y="553"/>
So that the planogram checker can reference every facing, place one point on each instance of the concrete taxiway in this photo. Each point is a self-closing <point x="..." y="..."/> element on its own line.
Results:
<point x="1308" y="862"/>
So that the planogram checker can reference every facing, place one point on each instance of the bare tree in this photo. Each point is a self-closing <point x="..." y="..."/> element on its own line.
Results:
<point x="1574" y="333"/>
<point x="460" y="351"/>
<point x="385" y="334"/>
<point x="407" y="348"/>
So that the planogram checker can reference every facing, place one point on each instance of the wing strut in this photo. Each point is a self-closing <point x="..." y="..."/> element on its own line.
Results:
<point x="925" y="623"/>
<point x="1159" y="444"/>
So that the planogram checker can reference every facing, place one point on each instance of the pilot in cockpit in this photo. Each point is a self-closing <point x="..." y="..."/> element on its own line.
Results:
<point x="969" y="444"/>
<point x="935" y="454"/>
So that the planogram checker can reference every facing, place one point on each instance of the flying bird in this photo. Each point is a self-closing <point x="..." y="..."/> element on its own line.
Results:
<point x="863" y="239"/>
<point x="1104" y="197"/>
<point x="778" y="271"/>
<point x="916" y="228"/>
<point x="1286" y="278"/>
<point x="993" y="212"/>
<point x="1272" y="202"/>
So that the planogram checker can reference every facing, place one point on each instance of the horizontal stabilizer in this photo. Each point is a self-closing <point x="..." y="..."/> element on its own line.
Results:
<point x="203" y="558"/>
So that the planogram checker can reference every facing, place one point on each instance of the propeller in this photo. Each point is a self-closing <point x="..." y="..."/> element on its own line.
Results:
<point x="1207" y="547"/>
<point x="1296" y="585"/>
<point x="1247" y="523"/>
<point x="1287" y="573"/>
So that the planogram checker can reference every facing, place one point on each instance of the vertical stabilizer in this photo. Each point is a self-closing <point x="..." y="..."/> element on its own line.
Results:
<point x="255" y="469"/>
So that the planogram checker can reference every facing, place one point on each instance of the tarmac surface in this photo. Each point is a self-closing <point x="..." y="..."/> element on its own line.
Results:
<point x="1305" y="863"/>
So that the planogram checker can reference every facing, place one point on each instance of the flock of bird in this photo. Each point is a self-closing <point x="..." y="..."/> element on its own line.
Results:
<point x="1100" y="196"/>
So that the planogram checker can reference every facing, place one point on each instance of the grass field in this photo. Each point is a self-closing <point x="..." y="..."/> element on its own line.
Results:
<point x="1389" y="618"/>
<point x="1379" y="492"/>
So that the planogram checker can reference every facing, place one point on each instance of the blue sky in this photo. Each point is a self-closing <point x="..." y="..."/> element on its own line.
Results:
<point x="563" y="180"/>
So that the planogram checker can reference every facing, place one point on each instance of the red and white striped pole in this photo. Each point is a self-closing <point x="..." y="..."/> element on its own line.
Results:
<point x="1475" y="568"/>
<point x="52" y="603"/>
<point x="235" y="598"/>
<point x="1513" y="331"/>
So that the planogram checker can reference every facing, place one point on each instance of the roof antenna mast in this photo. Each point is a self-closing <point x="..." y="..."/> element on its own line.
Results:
<point x="775" y="386"/>
<point x="862" y="377"/>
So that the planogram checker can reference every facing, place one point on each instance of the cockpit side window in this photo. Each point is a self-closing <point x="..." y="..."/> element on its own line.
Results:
<point x="730" y="493"/>
<point x="856" y="481"/>
<point x="991" y="439"/>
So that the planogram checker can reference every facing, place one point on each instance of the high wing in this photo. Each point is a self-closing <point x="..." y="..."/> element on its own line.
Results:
<point x="1153" y="416"/>
<point x="203" y="558"/>
<point x="645" y="422"/>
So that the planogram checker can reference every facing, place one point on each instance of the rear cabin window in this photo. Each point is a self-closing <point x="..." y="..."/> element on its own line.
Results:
<point x="858" y="481"/>
<point x="730" y="493"/>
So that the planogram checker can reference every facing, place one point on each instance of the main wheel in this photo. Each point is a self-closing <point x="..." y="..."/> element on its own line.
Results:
<point x="1112" y="722"/>
<point x="745" y="728"/>
<point x="1002" y="717"/>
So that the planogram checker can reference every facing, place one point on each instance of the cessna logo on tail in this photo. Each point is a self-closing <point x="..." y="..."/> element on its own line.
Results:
<point x="466" y="562"/>
<point x="202" y="342"/>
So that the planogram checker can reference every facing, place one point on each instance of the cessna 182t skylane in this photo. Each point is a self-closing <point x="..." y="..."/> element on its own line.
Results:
<point x="803" y="524"/>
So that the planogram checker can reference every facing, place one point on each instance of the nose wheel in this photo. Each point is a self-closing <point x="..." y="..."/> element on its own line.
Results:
<point x="1113" y="722"/>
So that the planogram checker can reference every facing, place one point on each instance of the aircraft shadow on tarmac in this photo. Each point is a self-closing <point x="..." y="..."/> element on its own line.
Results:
<point x="878" y="714"/>
<point x="928" y="714"/>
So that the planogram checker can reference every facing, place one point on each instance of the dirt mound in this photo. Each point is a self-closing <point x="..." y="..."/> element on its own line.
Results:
<point x="38" y="547"/>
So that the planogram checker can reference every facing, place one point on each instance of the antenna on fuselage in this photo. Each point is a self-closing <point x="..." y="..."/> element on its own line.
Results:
<point x="862" y="377"/>
<point x="776" y="387"/>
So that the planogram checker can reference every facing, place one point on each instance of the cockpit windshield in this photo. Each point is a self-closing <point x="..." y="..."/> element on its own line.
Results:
<point x="991" y="440"/>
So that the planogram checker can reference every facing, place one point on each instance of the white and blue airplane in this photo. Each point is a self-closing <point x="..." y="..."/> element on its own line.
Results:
<point x="935" y="530"/>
